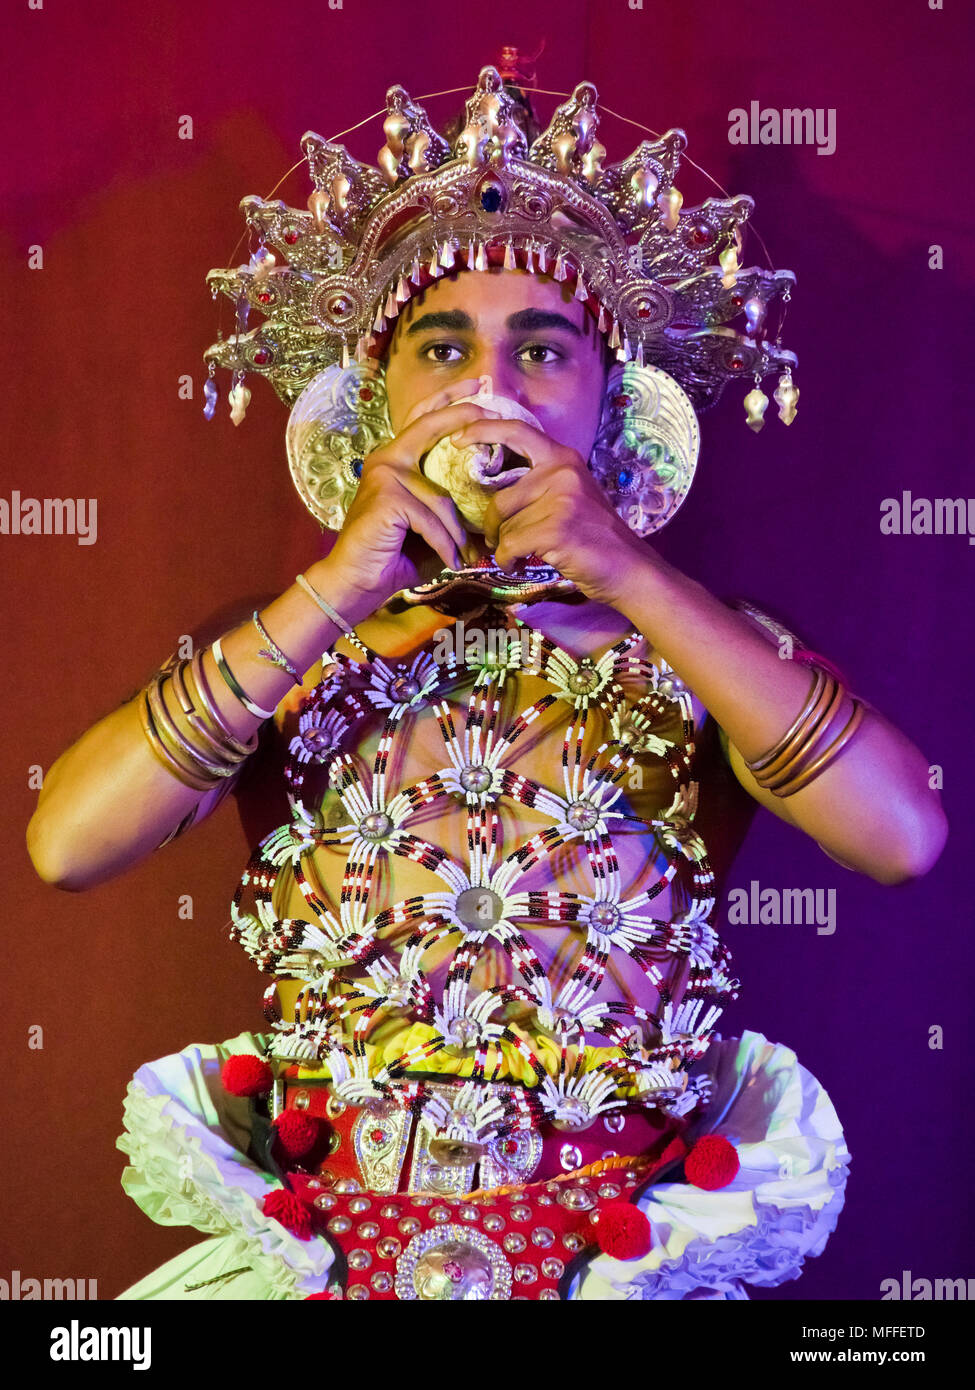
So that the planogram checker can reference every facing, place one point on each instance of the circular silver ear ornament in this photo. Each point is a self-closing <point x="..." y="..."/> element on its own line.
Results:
<point x="646" y="447"/>
<point x="339" y="418"/>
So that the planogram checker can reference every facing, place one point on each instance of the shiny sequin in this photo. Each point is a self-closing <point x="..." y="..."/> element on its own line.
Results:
<point x="570" y="1157"/>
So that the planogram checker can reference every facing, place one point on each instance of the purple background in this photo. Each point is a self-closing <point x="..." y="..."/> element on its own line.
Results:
<point x="193" y="516"/>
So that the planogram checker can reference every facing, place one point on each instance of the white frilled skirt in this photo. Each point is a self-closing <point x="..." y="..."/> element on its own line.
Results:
<point x="186" y="1140"/>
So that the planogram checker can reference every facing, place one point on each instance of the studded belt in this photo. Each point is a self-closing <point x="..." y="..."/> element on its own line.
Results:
<point x="384" y="1149"/>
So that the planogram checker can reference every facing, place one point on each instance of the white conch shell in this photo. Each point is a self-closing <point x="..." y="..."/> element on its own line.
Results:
<point x="472" y="474"/>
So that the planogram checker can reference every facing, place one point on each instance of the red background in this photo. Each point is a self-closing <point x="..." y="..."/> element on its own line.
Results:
<point x="194" y="515"/>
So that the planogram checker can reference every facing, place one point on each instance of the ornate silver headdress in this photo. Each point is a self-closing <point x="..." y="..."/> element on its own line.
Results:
<point x="663" y="282"/>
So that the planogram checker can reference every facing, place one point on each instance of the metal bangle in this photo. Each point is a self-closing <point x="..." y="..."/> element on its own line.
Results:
<point x="225" y="756"/>
<point x="160" y="751"/>
<point x="805" y="748"/>
<point x="762" y="763"/>
<point x="205" y="696"/>
<point x="234" y="685"/>
<point x="273" y="652"/>
<point x="172" y="737"/>
<point x="828" y="754"/>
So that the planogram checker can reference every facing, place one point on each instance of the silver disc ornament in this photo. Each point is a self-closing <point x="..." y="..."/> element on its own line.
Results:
<point x="646" y="447"/>
<point x="341" y="416"/>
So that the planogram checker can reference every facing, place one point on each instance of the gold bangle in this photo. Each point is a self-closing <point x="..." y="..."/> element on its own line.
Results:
<point x="828" y="754"/>
<point x="179" y="748"/>
<point x="805" y="747"/>
<point x="761" y="764"/>
<point x="160" y="751"/>
<point x="205" y="698"/>
<point x="226" y="757"/>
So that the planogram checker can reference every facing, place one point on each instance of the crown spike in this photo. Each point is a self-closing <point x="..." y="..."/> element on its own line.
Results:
<point x="614" y="336"/>
<point x="447" y="254"/>
<point x="415" y="269"/>
<point x="346" y="360"/>
<point x="529" y="252"/>
<point x="581" y="291"/>
<point x="480" y="260"/>
<point x="391" y="308"/>
<point x="627" y="350"/>
<point x="560" y="272"/>
<point x="639" y="354"/>
<point x="509" y="256"/>
<point x="379" y="323"/>
<point x="402" y="290"/>
<point x="603" y="323"/>
<point x="434" y="266"/>
<point x="543" y="258"/>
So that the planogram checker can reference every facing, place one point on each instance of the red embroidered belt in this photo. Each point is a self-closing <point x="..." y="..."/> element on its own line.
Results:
<point x="407" y="1219"/>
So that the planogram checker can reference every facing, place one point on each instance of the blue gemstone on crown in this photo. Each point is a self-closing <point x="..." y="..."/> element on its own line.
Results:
<point x="491" y="199"/>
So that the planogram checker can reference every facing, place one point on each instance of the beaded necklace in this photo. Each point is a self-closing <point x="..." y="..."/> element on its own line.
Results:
<point x="480" y="904"/>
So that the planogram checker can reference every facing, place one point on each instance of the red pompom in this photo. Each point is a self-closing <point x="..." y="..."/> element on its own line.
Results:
<point x="246" y="1075"/>
<point x="312" y="1297"/>
<point x="623" y="1232"/>
<point x="285" y="1207"/>
<point x="712" y="1162"/>
<point x="296" y="1134"/>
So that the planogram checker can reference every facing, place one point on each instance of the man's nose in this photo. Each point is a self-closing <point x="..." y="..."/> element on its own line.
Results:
<point x="506" y="380"/>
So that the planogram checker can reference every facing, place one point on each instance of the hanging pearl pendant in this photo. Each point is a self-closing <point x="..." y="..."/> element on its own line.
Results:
<point x="786" y="398"/>
<point x="239" y="399"/>
<point x="756" y="404"/>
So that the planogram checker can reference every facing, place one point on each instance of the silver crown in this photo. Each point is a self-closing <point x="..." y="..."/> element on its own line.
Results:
<point x="663" y="282"/>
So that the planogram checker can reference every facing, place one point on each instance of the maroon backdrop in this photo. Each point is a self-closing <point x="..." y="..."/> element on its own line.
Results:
<point x="193" y="515"/>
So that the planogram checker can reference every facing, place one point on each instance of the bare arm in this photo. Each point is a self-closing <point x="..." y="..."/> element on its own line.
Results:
<point x="871" y="809"/>
<point x="107" y="802"/>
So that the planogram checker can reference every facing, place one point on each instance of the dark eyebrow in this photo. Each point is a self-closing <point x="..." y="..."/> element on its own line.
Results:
<point x="526" y="320"/>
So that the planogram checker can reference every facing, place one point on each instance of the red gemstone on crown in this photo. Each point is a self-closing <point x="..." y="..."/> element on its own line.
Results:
<point x="291" y="236"/>
<point x="701" y="234"/>
<point x="365" y="394"/>
<point x="508" y="1147"/>
<point x="377" y="1135"/>
<point x="261" y="357"/>
<point x="621" y="401"/>
<point x="264" y="297"/>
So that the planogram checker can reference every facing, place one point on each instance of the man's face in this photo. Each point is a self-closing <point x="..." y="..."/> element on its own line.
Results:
<point x="538" y="344"/>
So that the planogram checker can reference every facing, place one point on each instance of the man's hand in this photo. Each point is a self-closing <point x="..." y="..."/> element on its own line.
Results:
<point x="556" y="512"/>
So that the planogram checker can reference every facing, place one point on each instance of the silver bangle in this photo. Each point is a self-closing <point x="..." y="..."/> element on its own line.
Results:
<point x="231" y="680"/>
<point x="330" y="612"/>
<point x="273" y="652"/>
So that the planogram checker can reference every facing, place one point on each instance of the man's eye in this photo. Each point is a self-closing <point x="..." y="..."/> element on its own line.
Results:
<point x="440" y="348"/>
<point x="541" y="347"/>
